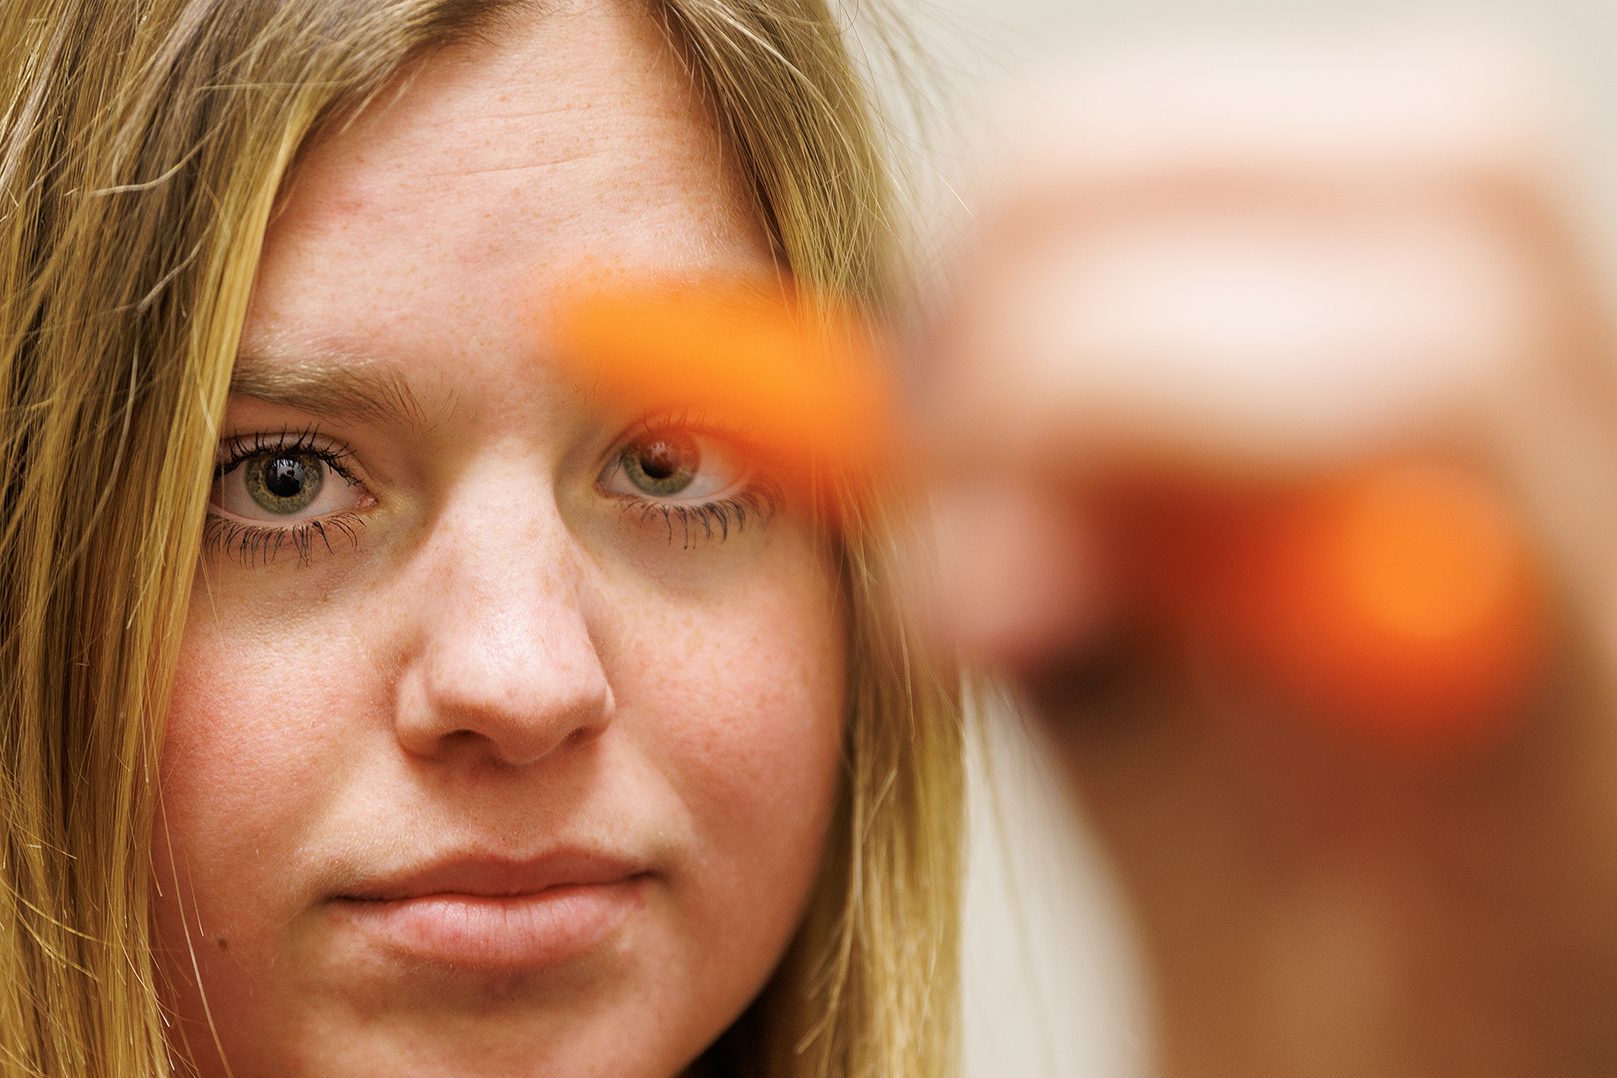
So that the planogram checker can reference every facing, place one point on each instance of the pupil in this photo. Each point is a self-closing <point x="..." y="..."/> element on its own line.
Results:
<point x="285" y="477"/>
<point x="659" y="460"/>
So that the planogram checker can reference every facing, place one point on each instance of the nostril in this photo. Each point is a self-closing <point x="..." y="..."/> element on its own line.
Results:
<point x="456" y="741"/>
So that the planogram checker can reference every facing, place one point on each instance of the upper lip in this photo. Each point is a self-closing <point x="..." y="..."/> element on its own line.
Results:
<point x="484" y="876"/>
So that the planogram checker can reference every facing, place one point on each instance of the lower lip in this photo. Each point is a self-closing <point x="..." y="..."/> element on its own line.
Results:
<point x="545" y="928"/>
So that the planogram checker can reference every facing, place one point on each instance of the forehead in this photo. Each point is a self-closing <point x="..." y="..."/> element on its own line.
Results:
<point x="563" y="143"/>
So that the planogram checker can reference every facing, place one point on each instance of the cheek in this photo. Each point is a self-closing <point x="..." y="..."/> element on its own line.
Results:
<point x="231" y="736"/>
<point x="247" y="763"/>
<point x="743" y="707"/>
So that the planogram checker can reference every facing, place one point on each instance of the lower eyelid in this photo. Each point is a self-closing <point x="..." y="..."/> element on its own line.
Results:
<point x="715" y="519"/>
<point x="248" y="542"/>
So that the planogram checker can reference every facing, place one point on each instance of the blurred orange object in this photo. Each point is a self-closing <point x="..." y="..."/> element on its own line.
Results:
<point x="1403" y="600"/>
<point x="1401" y="603"/>
<point x="798" y="379"/>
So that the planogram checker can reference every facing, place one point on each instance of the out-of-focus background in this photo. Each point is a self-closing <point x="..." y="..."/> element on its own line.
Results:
<point x="1053" y="987"/>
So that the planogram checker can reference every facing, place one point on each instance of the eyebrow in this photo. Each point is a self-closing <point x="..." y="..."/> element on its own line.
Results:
<point x="349" y="389"/>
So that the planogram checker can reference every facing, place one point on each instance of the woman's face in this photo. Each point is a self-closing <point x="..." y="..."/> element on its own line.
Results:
<point x="485" y="757"/>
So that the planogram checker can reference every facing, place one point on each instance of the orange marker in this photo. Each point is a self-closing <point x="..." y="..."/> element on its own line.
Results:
<point x="1401" y="602"/>
<point x="1404" y="601"/>
<point x="800" y="380"/>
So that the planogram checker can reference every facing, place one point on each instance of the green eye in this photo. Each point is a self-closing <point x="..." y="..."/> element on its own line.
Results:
<point x="285" y="481"/>
<point x="662" y="464"/>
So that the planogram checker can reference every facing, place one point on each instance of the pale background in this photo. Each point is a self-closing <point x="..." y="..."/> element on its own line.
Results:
<point x="1053" y="988"/>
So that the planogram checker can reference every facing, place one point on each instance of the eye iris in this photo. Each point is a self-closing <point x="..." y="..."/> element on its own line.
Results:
<point x="284" y="482"/>
<point x="663" y="465"/>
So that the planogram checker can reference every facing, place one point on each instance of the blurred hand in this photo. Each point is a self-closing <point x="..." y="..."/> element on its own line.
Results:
<point x="1244" y="269"/>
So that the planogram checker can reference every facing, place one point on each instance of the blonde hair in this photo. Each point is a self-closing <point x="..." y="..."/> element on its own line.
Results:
<point x="144" y="145"/>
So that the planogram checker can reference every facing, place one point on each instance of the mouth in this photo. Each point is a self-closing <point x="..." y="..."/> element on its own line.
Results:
<point x="479" y="911"/>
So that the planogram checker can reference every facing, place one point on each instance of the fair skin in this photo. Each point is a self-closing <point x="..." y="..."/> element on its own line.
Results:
<point x="522" y="778"/>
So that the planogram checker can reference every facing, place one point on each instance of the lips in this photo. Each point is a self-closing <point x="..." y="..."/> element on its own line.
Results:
<point x="481" y="911"/>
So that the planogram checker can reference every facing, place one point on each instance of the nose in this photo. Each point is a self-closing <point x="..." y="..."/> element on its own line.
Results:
<point x="503" y="666"/>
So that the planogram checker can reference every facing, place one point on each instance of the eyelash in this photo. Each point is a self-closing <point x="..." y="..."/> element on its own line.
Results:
<point x="758" y="500"/>
<point x="247" y="543"/>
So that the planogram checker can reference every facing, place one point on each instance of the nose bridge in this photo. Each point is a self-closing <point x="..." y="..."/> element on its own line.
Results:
<point x="505" y="661"/>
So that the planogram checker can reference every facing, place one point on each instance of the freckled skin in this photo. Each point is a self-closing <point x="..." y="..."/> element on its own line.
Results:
<point x="503" y="661"/>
